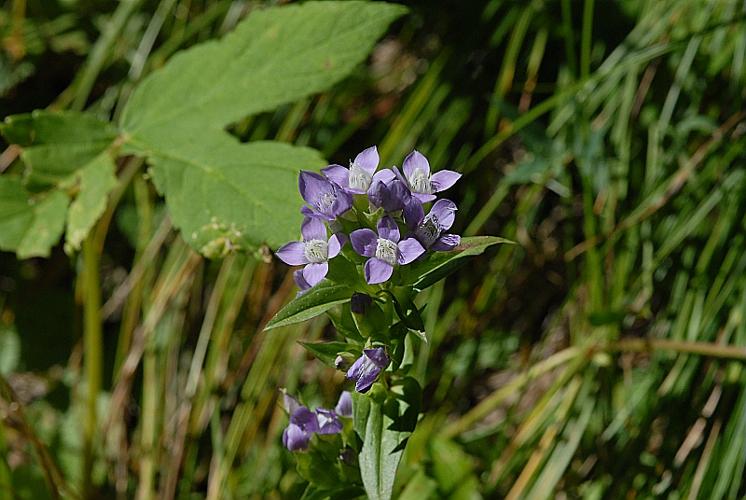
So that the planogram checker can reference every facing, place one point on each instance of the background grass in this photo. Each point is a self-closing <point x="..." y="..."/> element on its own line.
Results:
<point x="602" y="357"/>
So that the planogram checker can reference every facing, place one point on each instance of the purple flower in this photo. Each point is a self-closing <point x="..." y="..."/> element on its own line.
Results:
<point x="429" y="229"/>
<point x="344" y="405"/>
<point x="303" y="424"/>
<point x="367" y="367"/>
<point x="361" y="174"/>
<point x="326" y="199"/>
<point x="314" y="251"/>
<point x="420" y="182"/>
<point x="392" y="195"/>
<point x="327" y="421"/>
<point x="384" y="249"/>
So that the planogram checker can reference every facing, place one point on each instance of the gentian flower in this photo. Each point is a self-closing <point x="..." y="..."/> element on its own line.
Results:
<point x="393" y="195"/>
<point x="326" y="200"/>
<point x="429" y="229"/>
<point x="314" y="251"/>
<point x="420" y="182"/>
<point x="344" y="405"/>
<point x="367" y="367"/>
<point x="384" y="249"/>
<point x="303" y="424"/>
<point x="327" y="421"/>
<point x="362" y="172"/>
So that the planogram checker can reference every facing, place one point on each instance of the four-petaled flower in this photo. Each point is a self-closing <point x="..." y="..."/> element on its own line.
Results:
<point x="420" y="182"/>
<point x="304" y="423"/>
<point x="364" y="371"/>
<point x="326" y="200"/>
<point x="362" y="172"/>
<point x="428" y="229"/>
<point x="314" y="251"/>
<point x="384" y="249"/>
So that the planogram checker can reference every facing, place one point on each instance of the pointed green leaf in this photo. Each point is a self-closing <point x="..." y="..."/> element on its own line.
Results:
<point x="438" y="265"/>
<point x="315" y="301"/>
<point x="96" y="180"/>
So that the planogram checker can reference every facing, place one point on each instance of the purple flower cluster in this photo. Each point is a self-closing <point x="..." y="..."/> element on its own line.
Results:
<point x="331" y="195"/>
<point x="304" y="423"/>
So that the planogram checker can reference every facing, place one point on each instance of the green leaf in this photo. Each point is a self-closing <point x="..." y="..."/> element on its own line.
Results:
<point x="223" y="195"/>
<point x="327" y="351"/>
<point x="315" y="301"/>
<point x="96" y="179"/>
<point x="438" y="265"/>
<point x="30" y="225"/>
<point x="382" y="447"/>
<point x="56" y="144"/>
<point x="275" y="56"/>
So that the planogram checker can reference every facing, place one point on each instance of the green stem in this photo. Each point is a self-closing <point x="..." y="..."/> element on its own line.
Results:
<point x="585" y="41"/>
<point x="93" y="353"/>
<point x="701" y="348"/>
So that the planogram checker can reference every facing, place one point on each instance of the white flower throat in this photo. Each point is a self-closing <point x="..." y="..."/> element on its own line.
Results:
<point x="316" y="251"/>
<point x="359" y="178"/>
<point x="325" y="202"/>
<point x="420" y="182"/>
<point x="387" y="251"/>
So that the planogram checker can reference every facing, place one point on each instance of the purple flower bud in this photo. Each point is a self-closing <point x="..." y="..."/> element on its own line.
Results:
<point x="418" y="179"/>
<point x="344" y="405"/>
<point x="366" y="369"/>
<point x="294" y="438"/>
<point x="326" y="200"/>
<point x="384" y="249"/>
<point x="429" y="229"/>
<point x="391" y="196"/>
<point x="313" y="251"/>
<point x="360" y="303"/>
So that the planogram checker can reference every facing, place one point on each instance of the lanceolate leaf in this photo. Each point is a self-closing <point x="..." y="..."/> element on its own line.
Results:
<point x="30" y="226"/>
<point x="317" y="300"/>
<point x="438" y="265"/>
<point x="221" y="194"/>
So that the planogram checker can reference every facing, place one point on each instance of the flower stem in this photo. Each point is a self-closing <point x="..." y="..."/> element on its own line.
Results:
<point x="92" y="340"/>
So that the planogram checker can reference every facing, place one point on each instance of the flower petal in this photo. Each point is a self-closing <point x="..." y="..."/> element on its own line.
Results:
<point x="342" y="203"/>
<point x="443" y="179"/>
<point x="414" y="214"/>
<point x="409" y="250"/>
<point x="305" y="419"/>
<point x="414" y="161"/>
<point x="300" y="280"/>
<point x="344" y="405"/>
<point x="328" y="422"/>
<point x="386" y="175"/>
<point x="334" y="245"/>
<point x="424" y="198"/>
<point x="446" y="242"/>
<point x="388" y="230"/>
<point x="364" y="241"/>
<point x="357" y="368"/>
<point x="313" y="229"/>
<point x="313" y="273"/>
<point x="338" y="174"/>
<point x="289" y="403"/>
<point x="445" y="212"/>
<point x="312" y="185"/>
<point x="368" y="159"/>
<point x="377" y="271"/>
<point x="368" y="376"/>
<point x="400" y="176"/>
<point x="292" y="253"/>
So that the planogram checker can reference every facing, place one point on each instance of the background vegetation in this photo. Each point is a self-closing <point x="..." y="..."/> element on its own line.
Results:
<point x="601" y="357"/>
